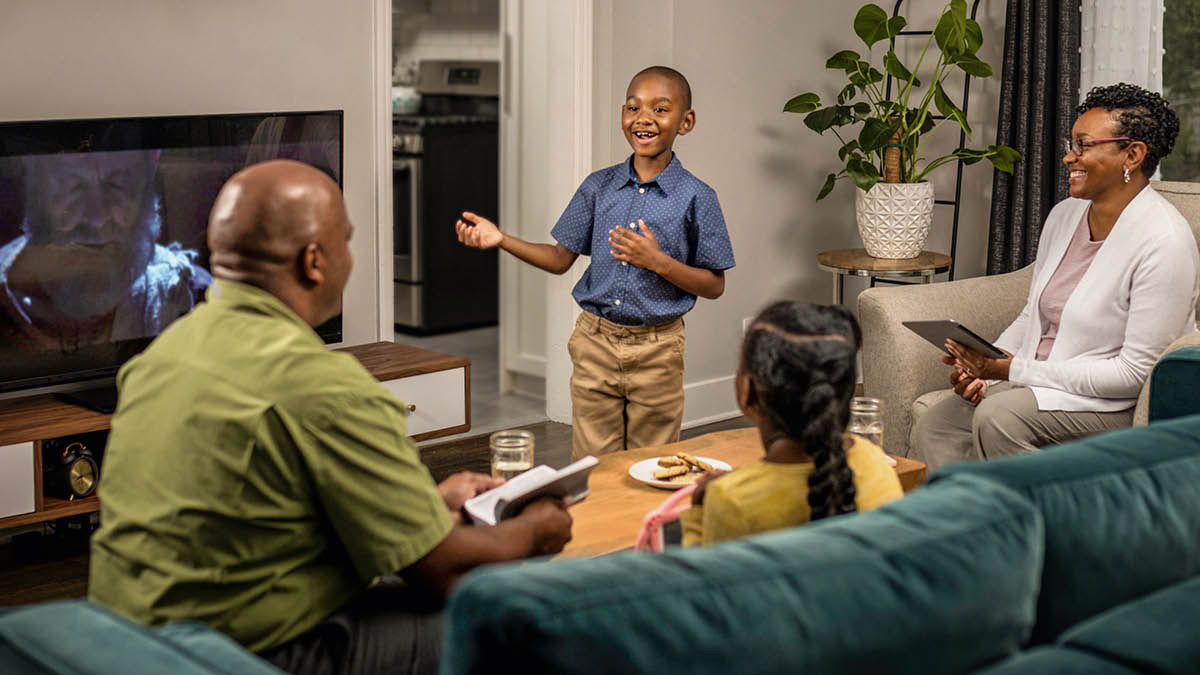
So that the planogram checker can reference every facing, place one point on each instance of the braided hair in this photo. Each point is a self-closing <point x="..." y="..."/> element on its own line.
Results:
<point x="1141" y="115"/>
<point x="801" y="358"/>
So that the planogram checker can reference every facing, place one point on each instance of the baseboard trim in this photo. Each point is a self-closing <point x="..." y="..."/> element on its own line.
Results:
<point x="709" y="401"/>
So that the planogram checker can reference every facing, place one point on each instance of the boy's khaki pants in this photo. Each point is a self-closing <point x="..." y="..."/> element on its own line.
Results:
<point x="626" y="385"/>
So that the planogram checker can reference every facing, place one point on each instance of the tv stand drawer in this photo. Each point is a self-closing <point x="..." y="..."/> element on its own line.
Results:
<point x="434" y="401"/>
<point x="434" y="387"/>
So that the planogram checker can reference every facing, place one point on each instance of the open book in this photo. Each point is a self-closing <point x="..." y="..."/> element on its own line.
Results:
<point x="569" y="483"/>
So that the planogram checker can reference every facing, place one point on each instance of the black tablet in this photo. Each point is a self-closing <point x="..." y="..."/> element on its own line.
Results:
<point x="936" y="332"/>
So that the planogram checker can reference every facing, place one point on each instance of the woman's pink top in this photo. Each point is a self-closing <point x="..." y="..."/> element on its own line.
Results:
<point x="1075" y="262"/>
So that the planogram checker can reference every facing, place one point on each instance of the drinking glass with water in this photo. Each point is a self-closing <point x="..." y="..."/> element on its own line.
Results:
<point x="512" y="453"/>
<point x="866" y="419"/>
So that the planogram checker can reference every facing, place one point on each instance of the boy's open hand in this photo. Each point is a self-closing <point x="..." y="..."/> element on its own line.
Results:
<point x="477" y="231"/>
<point x="636" y="249"/>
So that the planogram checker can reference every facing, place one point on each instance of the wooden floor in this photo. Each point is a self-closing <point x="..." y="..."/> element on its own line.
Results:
<point x="48" y="566"/>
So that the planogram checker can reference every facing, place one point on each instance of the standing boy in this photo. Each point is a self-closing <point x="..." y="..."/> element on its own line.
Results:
<point x="657" y="239"/>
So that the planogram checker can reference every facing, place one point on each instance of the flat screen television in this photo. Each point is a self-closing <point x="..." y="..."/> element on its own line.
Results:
<point x="103" y="229"/>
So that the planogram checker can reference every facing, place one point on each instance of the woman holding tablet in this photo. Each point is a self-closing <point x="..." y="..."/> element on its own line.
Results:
<point x="1114" y="283"/>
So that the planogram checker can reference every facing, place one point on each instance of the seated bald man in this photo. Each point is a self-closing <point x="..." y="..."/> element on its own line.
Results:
<point x="260" y="483"/>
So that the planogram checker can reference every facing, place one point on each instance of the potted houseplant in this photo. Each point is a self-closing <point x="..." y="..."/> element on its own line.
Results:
<point x="883" y="159"/>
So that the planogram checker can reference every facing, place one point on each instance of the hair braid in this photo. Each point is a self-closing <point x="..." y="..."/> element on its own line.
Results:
<point x="801" y="358"/>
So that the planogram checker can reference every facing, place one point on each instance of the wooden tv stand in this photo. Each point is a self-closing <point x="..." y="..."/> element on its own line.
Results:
<point x="435" y="388"/>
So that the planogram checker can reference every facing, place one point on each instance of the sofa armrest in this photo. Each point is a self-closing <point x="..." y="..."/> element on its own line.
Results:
<point x="898" y="365"/>
<point x="1169" y="390"/>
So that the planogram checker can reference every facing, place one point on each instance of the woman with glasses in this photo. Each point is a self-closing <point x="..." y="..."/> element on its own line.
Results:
<point x="1113" y="285"/>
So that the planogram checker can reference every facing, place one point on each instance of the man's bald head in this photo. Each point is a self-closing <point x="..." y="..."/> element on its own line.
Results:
<point x="282" y="226"/>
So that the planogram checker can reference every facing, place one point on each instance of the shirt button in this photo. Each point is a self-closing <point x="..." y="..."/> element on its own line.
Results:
<point x="641" y="191"/>
<point x="617" y="302"/>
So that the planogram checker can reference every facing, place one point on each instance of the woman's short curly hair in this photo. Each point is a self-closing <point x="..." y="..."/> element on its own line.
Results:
<point x="1141" y="115"/>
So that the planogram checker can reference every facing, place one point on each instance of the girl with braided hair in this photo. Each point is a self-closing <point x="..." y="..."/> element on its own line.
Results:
<point x="795" y="381"/>
<point x="1114" y="284"/>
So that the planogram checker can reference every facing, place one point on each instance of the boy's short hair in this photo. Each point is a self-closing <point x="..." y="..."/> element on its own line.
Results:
<point x="673" y="75"/>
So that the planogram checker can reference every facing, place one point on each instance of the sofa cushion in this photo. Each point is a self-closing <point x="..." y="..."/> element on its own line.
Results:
<point x="1173" y="389"/>
<point x="1054" y="660"/>
<point x="1154" y="634"/>
<point x="79" y="638"/>
<point x="941" y="581"/>
<point x="1121" y="513"/>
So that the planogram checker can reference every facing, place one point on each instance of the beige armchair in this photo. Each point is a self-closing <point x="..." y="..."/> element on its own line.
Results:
<point x="904" y="371"/>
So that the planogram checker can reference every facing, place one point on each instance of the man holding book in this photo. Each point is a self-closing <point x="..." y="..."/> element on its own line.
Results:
<point x="263" y="484"/>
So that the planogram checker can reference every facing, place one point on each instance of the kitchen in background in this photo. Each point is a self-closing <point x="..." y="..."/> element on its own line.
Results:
<point x="446" y="56"/>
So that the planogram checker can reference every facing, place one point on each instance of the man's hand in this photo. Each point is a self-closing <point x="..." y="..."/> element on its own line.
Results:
<point x="460" y="487"/>
<point x="477" y="231"/>
<point x="636" y="249"/>
<point x="550" y="522"/>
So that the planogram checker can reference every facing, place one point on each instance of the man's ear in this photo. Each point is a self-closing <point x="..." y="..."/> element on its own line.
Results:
<point x="688" y="122"/>
<point x="312" y="264"/>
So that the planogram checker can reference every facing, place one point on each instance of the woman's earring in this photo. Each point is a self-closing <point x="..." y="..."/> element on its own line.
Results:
<point x="1126" y="174"/>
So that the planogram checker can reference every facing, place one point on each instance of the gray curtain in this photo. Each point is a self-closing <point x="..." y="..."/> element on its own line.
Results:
<point x="1038" y="94"/>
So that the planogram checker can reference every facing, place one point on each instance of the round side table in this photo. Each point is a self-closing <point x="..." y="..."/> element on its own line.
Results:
<point x="856" y="262"/>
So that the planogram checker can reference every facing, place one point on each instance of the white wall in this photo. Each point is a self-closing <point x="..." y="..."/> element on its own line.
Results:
<point x="79" y="58"/>
<point x="744" y="60"/>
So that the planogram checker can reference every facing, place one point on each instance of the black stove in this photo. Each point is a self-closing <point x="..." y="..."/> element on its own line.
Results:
<point x="445" y="161"/>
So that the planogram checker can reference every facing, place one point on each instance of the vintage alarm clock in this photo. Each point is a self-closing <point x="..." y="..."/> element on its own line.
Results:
<point x="72" y="473"/>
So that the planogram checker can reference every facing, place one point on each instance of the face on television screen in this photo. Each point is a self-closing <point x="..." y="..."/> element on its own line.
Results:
<point x="102" y="245"/>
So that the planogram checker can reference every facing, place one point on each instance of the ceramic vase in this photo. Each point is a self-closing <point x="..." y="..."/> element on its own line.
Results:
<point x="894" y="218"/>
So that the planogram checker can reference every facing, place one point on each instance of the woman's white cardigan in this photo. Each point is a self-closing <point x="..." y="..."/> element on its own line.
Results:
<point x="1136" y="298"/>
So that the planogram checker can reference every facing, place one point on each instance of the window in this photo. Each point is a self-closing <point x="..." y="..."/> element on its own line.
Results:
<point x="1181" y="86"/>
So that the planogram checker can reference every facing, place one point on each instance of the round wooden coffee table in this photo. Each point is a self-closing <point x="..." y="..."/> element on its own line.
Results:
<point x="856" y="262"/>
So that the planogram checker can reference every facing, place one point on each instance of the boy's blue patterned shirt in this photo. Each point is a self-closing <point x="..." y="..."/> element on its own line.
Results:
<point x="685" y="217"/>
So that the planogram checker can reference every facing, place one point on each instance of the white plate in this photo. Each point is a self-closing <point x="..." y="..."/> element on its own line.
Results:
<point x="644" y="471"/>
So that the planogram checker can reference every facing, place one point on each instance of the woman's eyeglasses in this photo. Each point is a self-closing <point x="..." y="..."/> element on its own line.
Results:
<point x="1079" y="145"/>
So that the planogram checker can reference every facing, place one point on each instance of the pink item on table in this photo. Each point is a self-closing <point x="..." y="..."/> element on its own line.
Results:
<point x="650" y="538"/>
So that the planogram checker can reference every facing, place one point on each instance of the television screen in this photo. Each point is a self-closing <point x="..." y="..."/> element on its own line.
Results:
<point x="102" y="229"/>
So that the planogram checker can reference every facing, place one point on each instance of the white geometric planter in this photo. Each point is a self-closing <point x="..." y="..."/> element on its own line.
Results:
<point x="894" y="218"/>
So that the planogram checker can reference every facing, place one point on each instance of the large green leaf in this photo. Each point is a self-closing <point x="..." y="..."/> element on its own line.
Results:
<point x="972" y="65"/>
<point x="863" y="173"/>
<point x="803" y="103"/>
<point x="848" y="92"/>
<point x="833" y="116"/>
<point x="1004" y="157"/>
<point x="895" y="25"/>
<point x="871" y="24"/>
<point x="847" y="149"/>
<point x="947" y="108"/>
<point x="974" y="35"/>
<point x="951" y="29"/>
<point x="897" y="70"/>
<point x="876" y="133"/>
<point x="843" y="60"/>
<point x="827" y="187"/>
<point x="910" y="119"/>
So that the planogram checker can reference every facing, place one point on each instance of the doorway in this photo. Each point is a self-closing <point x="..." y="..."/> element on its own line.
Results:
<point x="425" y="32"/>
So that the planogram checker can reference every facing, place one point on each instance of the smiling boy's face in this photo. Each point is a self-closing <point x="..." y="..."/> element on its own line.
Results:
<point x="654" y="113"/>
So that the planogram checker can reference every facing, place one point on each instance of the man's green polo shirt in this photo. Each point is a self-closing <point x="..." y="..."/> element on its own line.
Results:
<point x="254" y="480"/>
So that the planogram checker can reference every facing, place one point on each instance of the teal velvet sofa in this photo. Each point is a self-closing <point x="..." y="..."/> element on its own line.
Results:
<point x="79" y="638"/>
<point x="1084" y="558"/>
